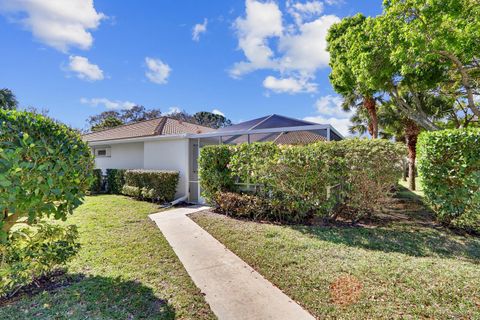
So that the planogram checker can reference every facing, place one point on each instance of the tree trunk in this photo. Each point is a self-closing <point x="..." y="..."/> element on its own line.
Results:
<point x="370" y="105"/>
<point x="411" y="134"/>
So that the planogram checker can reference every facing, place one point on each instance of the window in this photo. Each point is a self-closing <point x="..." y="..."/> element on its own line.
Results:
<point x="102" y="152"/>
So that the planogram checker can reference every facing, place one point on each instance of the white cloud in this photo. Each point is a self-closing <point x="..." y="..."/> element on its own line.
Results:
<point x="289" y="85"/>
<point x="263" y="20"/>
<point x="216" y="111"/>
<point x="301" y="49"/>
<point x="305" y="51"/>
<point x="58" y="23"/>
<point x="173" y="110"/>
<point x="158" y="71"/>
<point x="198" y="29"/>
<point x="329" y="111"/>
<point x="84" y="69"/>
<point x="301" y="11"/>
<point x="109" y="104"/>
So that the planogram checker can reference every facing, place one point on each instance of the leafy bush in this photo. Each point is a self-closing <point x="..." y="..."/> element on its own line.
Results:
<point x="449" y="165"/>
<point x="215" y="174"/>
<point x="45" y="169"/>
<point x="97" y="183"/>
<point x="115" y="180"/>
<point x="242" y="205"/>
<point x="152" y="184"/>
<point x="349" y="178"/>
<point x="34" y="252"/>
<point x="135" y="192"/>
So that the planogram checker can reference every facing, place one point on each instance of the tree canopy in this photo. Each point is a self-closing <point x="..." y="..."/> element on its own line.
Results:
<point x="8" y="101"/>
<point x="112" y="118"/>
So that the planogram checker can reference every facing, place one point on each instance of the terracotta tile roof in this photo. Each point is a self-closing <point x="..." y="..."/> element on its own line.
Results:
<point x="156" y="127"/>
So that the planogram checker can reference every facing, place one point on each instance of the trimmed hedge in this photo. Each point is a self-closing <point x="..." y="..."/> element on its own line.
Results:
<point x="449" y="165"/>
<point x="156" y="185"/>
<point x="349" y="178"/>
<point x="115" y="180"/>
<point x="97" y="183"/>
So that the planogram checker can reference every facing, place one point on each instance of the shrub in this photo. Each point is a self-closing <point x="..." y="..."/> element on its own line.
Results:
<point x="242" y="205"/>
<point x="135" y="192"/>
<point x="45" y="169"/>
<point x="97" y="182"/>
<point x="115" y="180"/>
<point x="215" y="174"/>
<point x="34" y="252"/>
<point x="152" y="184"/>
<point x="349" y="178"/>
<point x="449" y="165"/>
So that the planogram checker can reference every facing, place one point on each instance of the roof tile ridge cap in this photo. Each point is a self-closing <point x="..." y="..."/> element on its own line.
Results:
<point x="159" y="129"/>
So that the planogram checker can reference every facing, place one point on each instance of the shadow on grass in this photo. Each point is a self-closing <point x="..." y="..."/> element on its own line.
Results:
<point x="405" y="226"/>
<point x="416" y="243"/>
<point x="77" y="296"/>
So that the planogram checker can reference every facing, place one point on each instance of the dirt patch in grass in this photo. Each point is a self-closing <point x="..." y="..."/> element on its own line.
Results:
<point x="346" y="290"/>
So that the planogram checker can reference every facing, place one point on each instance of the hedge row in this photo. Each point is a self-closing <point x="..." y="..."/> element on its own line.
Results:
<point x="449" y="165"/>
<point x="350" y="178"/>
<point x="115" y="180"/>
<point x="153" y="185"/>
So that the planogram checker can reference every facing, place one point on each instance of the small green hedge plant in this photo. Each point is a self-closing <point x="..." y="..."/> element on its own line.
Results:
<point x="156" y="185"/>
<point x="34" y="252"/>
<point x="97" y="183"/>
<point x="349" y="178"/>
<point x="115" y="180"/>
<point x="449" y="165"/>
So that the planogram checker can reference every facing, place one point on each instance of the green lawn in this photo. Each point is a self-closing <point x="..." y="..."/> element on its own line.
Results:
<point x="125" y="270"/>
<point x="401" y="266"/>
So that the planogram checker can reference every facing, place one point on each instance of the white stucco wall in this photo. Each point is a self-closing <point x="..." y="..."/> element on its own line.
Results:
<point x="169" y="155"/>
<point x="123" y="156"/>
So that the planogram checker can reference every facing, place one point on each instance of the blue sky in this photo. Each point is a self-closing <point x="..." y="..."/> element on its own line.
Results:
<point x="246" y="58"/>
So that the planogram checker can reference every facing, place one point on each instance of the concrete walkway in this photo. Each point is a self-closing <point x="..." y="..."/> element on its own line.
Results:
<point x="231" y="287"/>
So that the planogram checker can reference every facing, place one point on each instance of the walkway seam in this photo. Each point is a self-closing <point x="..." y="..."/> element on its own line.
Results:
<point x="233" y="289"/>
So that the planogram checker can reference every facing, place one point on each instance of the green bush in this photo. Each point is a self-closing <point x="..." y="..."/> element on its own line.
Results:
<point x="115" y="180"/>
<point x="349" y="178"/>
<point x="449" y="165"/>
<point x="45" y="169"/>
<point x="242" y="205"/>
<point x="97" y="183"/>
<point x="130" y="191"/>
<point x="154" y="185"/>
<point x="34" y="252"/>
<point x="215" y="174"/>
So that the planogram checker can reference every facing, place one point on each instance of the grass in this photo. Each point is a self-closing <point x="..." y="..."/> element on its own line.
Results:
<point x="401" y="266"/>
<point x="125" y="270"/>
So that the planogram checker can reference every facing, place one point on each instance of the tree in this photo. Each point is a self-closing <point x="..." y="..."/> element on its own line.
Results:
<point x="8" y="101"/>
<point x="139" y="113"/>
<point x="443" y="33"/>
<point x="211" y="120"/>
<point x="107" y="123"/>
<point x="343" y="39"/>
<point x="47" y="180"/>
<point x="404" y="129"/>
<point x="112" y="118"/>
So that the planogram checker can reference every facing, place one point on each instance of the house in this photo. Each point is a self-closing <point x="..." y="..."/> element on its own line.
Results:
<point x="169" y="144"/>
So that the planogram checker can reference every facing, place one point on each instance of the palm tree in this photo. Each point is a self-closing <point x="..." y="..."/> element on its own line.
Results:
<point x="8" y="101"/>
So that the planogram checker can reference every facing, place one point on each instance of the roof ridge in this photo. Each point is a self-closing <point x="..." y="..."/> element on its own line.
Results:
<point x="189" y="122"/>
<point x="161" y="125"/>
<point x="259" y="123"/>
<point x="125" y="125"/>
